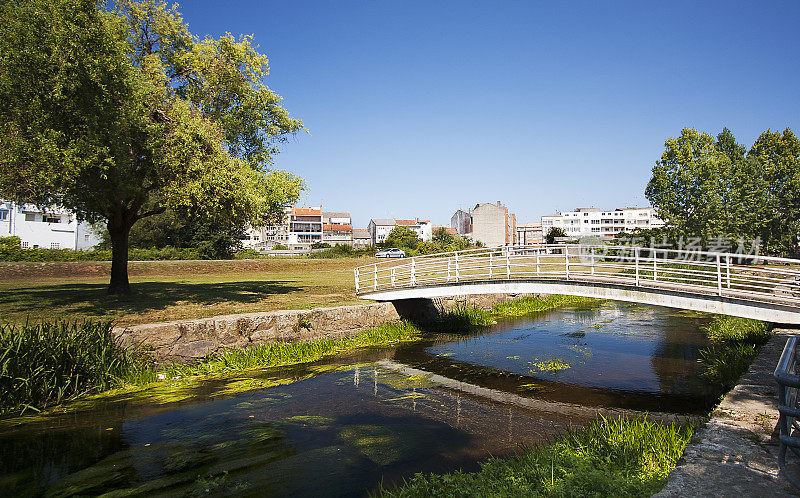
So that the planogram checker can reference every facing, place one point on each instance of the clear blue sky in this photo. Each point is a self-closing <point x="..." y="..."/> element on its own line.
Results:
<point x="420" y="108"/>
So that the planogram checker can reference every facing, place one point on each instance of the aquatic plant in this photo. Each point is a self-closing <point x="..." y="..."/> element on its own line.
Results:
<point x="611" y="457"/>
<point x="553" y="365"/>
<point x="463" y="318"/>
<point x="733" y="344"/>
<point x="48" y="362"/>
<point x="534" y="304"/>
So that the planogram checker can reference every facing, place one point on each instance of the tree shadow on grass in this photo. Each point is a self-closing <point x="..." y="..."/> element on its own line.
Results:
<point x="92" y="300"/>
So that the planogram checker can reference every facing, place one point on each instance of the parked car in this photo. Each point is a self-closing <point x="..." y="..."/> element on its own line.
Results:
<point x="391" y="253"/>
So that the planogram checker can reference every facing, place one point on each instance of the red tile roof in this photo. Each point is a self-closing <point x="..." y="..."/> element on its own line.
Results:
<point x="306" y="211"/>
<point x="335" y="226"/>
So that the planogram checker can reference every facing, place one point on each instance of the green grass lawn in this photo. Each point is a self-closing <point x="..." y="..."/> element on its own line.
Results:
<point x="174" y="290"/>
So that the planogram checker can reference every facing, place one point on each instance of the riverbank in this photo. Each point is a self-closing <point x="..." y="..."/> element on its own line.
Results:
<point x="736" y="452"/>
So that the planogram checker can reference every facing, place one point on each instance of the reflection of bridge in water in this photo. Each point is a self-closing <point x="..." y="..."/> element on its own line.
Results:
<point x="760" y="287"/>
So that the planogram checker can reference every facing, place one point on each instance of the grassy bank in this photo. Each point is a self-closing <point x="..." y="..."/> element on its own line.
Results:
<point x="625" y="457"/>
<point x="534" y="304"/>
<point x="733" y="344"/>
<point x="46" y="364"/>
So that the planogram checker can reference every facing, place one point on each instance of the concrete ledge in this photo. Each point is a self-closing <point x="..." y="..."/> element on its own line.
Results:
<point x="190" y="340"/>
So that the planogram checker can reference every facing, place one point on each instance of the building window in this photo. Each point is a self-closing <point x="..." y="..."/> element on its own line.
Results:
<point x="30" y="216"/>
<point x="55" y="245"/>
<point x="24" y="244"/>
<point x="51" y="218"/>
<point x="86" y="238"/>
<point x="3" y="214"/>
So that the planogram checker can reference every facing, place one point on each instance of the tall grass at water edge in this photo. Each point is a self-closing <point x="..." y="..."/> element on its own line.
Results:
<point x="611" y="457"/>
<point x="733" y="344"/>
<point x="534" y="304"/>
<point x="45" y="363"/>
<point x="274" y="354"/>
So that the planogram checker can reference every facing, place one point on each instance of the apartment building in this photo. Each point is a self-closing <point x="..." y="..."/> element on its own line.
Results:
<point x="301" y="227"/>
<point x="488" y="223"/>
<point x="52" y="228"/>
<point x="603" y="223"/>
<point x="379" y="229"/>
<point x="337" y="228"/>
<point x="529" y="234"/>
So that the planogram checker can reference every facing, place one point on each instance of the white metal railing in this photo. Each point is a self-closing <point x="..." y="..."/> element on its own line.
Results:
<point x="752" y="277"/>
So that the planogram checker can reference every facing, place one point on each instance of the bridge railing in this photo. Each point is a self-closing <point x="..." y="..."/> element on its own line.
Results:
<point x="752" y="277"/>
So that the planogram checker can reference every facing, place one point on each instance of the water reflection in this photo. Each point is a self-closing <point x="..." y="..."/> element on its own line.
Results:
<point x="376" y="415"/>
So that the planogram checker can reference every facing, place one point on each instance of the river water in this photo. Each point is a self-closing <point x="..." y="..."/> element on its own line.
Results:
<point x="344" y="425"/>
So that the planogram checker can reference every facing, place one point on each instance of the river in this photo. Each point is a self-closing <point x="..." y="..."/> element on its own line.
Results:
<point x="345" y="424"/>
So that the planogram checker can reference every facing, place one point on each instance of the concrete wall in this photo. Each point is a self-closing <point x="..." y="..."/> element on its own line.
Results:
<point x="489" y="224"/>
<point x="190" y="340"/>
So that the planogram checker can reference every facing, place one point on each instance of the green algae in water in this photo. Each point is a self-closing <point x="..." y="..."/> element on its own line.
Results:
<point x="553" y="365"/>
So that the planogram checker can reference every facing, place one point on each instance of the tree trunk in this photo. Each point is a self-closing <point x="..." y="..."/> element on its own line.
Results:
<point x="119" y="230"/>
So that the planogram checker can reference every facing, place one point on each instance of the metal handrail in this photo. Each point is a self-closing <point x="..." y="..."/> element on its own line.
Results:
<point x="788" y="379"/>
<point x="721" y="274"/>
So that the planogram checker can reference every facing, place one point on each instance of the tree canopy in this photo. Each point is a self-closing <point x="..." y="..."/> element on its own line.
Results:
<point x="708" y="187"/>
<point x="553" y="233"/>
<point x="119" y="113"/>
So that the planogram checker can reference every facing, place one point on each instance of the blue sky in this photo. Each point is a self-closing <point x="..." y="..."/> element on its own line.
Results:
<point x="416" y="109"/>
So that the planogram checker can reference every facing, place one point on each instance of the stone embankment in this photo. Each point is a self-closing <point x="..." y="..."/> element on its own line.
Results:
<point x="189" y="340"/>
<point x="736" y="452"/>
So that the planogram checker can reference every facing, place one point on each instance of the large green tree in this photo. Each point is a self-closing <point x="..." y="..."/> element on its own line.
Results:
<point x="119" y="113"/>
<point x="706" y="187"/>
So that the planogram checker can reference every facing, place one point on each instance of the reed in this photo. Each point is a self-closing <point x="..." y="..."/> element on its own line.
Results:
<point x="611" y="457"/>
<point x="45" y="363"/>
<point x="534" y="304"/>
<point x="462" y="318"/>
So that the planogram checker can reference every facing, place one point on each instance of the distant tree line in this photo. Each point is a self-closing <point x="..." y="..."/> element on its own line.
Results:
<point x="442" y="241"/>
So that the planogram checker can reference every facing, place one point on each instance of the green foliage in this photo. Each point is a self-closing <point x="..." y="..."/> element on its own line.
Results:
<point x="733" y="345"/>
<point x="402" y="238"/>
<point x="120" y="113"/>
<point x="280" y="247"/>
<point x="533" y="304"/>
<point x="320" y="245"/>
<point x="553" y="233"/>
<point x="41" y="255"/>
<point x="706" y="187"/>
<point x="463" y="318"/>
<point x="342" y="251"/>
<point x="211" y="236"/>
<point x="9" y="243"/>
<point x="47" y="363"/>
<point x="623" y="457"/>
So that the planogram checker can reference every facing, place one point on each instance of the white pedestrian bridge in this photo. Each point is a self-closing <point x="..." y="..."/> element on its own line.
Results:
<point x="749" y="286"/>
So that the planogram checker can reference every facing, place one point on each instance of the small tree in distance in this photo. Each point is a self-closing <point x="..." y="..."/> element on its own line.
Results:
<point x="553" y="233"/>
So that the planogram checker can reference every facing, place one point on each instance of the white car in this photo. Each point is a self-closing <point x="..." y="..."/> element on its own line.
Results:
<point x="391" y="253"/>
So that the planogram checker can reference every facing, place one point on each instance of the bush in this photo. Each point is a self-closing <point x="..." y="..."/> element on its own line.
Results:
<point x="280" y="247"/>
<point x="10" y="253"/>
<point x="47" y="363"/>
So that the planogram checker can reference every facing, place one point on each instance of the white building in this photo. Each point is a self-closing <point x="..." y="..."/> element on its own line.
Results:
<point x="52" y="228"/>
<point x="301" y="227"/>
<point x="603" y="223"/>
<point x="379" y="229"/>
<point x="337" y="228"/>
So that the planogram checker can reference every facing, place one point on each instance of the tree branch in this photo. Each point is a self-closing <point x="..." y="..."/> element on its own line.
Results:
<point x="151" y="212"/>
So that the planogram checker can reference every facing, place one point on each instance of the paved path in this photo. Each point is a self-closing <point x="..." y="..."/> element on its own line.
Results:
<point x="735" y="454"/>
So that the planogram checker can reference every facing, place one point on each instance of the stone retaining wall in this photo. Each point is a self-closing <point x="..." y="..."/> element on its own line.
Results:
<point x="188" y="340"/>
